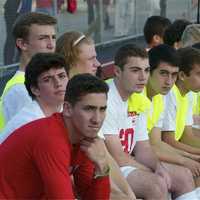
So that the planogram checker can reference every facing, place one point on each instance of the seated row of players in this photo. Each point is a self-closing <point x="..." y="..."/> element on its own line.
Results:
<point x="124" y="126"/>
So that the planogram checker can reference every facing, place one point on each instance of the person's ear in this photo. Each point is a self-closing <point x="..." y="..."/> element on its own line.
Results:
<point x="117" y="71"/>
<point x="21" y="44"/>
<point x="181" y="76"/>
<point x="35" y="91"/>
<point x="67" y="109"/>
<point x="177" y="45"/>
<point x="157" y="39"/>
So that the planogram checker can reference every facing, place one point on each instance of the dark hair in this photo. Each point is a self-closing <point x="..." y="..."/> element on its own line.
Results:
<point x="174" y="32"/>
<point x="127" y="51"/>
<point x="189" y="56"/>
<point x="42" y="62"/>
<point x="83" y="84"/>
<point x="155" y="25"/>
<point x="23" y="22"/>
<point x="163" y="53"/>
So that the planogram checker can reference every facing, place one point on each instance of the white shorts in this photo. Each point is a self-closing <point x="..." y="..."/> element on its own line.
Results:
<point x="196" y="126"/>
<point x="126" y="170"/>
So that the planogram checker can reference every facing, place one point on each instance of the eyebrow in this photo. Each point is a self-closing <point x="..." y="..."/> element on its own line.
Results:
<point x="95" y="107"/>
<point x="138" y="68"/>
<point x="166" y="71"/>
<point x="46" y="35"/>
<point x="44" y="76"/>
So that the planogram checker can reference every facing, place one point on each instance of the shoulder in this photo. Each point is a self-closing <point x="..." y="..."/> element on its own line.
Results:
<point x="138" y="102"/>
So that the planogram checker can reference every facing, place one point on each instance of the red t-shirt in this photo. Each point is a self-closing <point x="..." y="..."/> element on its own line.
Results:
<point x="38" y="159"/>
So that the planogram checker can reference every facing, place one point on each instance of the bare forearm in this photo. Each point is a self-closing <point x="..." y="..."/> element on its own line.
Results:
<point x="184" y="147"/>
<point x="167" y="153"/>
<point x="148" y="158"/>
<point x="188" y="148"/>
<point x="192" y="140"/>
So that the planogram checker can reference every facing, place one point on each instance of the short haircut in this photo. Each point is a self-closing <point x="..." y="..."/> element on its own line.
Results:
<point x="175" y="31"/>
<point x="23" y="23"/>
<point x="127" y="51"/>
<point x="83" y="84"/>
<point x="68" y="45"/>
<point x="163" y="53"/>
<point x="189" y="56"/>
<point x="42" y="62"/>
<point x="155" y="25"/>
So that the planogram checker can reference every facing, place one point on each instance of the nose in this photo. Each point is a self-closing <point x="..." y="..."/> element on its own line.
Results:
<point x="56" y="82"/>
<point x="51" y="43"/>
<point x="97" y="63"/>
<point x="97" y="117"/>
<point x="169" y="80"/>
<point x="143" y="76"/>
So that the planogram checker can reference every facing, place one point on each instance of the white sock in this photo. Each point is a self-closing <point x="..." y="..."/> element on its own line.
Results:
<point x="169" y="196"/>
<point x="198" y="192"/>
<point x="188" y="196"/>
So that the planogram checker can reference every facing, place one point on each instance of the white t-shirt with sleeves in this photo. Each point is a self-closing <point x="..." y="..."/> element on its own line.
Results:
<point x="159" y="123"/>
<point x="15" y="99"/>
<point x="169" y="122"/>
<point x="28" y="113"/>
<point x="130" y="127"/>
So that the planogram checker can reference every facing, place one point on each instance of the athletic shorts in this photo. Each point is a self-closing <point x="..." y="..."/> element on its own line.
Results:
<point x="126" y="170"/>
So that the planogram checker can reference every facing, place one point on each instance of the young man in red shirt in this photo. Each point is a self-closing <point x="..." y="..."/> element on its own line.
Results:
<point x="38" y="158"/>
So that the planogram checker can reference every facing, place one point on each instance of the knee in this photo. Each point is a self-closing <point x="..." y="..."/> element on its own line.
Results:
<point x="185" y="179"/>
<point x="159" y="188"/>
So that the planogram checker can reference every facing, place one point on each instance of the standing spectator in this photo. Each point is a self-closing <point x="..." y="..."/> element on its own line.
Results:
<point x="91" y="10"/>
<point x="124" y="14"/>
<point x="46" y="6"/>
<point x="163" y="8"/>
<point x="106" y="14"/>
<point x="12" y="10"/>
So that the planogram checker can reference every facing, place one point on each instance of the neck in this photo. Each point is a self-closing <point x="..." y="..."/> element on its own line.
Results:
<point x="73" y="136"/>
<point x="73" y="71"/>
<point x="48" y="109"/>
<point x="24" y="60"/>
<point x="123" y="93"/>
<point x="150" y="91"/>
<point x="181" y="86"/>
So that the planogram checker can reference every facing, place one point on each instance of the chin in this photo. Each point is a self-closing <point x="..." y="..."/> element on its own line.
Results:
<point x="139" y="91"/>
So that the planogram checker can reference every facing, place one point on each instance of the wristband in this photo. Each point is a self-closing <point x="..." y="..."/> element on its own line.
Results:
<point x="106" y="173"/>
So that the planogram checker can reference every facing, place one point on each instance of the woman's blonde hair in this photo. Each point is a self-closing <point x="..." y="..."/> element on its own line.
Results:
<point x="191" y="35"/>
<point x="68" y="45"/>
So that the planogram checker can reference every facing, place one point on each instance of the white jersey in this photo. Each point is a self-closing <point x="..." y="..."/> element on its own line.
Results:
<point x="130" y="127"/>
<point x="15" y="99"/>
<point x="169" y="122"/>
<point x="28" y="113"/>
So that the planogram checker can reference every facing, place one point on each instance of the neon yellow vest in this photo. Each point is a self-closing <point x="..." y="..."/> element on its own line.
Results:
<point x="157" y="107"/>
<point x="16" y="79"/>
<point x="181" y="112"/>
<point x="137" y="102"/>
